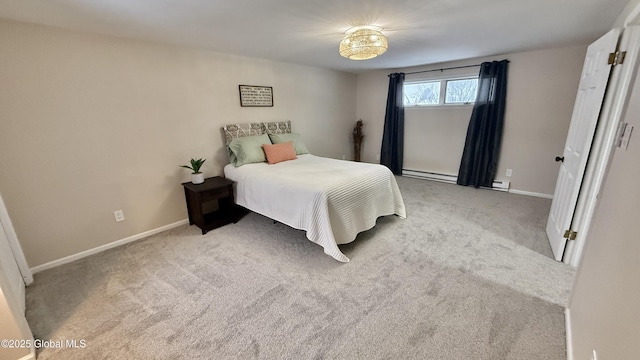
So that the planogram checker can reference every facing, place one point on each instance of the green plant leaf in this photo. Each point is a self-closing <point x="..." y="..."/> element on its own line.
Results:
<point x="196" y="164"/>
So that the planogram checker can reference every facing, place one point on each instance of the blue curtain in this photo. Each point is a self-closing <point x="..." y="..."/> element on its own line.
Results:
<point x="392" y="150"/>
<point x="484" y="134"/>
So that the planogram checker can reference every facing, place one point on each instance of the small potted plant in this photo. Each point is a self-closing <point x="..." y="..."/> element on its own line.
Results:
<point x="196" y="176"/>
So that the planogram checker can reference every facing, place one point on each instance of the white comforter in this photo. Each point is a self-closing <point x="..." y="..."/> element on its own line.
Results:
<point x="333" y="200"/>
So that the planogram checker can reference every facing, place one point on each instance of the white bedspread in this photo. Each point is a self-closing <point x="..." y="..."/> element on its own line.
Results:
<point x="333" y="200"/>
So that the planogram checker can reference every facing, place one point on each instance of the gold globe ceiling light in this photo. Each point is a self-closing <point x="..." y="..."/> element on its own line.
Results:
<point x="363" y="42"/>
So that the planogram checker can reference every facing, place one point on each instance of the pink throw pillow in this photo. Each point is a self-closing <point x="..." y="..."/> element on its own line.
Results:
<point x="279" y="152"/>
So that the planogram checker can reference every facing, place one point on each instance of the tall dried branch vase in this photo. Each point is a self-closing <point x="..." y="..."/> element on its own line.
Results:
<point x="357" y="140"/>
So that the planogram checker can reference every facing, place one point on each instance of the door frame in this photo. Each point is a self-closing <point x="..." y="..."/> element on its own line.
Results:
<point x="613" y="110"/>
<point x="6" y="290"/>
<point x="12" y="237"/>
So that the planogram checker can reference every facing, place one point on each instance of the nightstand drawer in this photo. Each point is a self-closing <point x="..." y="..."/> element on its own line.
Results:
<point x="215" y="194"/>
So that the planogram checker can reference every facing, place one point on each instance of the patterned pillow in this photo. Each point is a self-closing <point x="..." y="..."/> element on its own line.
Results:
<point x="279" y="152"/>
<point x="276" y="127"/>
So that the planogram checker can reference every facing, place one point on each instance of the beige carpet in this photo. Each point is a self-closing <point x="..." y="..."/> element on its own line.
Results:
<point x="468" y="275"/>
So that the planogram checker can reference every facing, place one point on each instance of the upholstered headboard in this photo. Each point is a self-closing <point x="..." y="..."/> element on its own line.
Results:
<point x="277" y="127"/>
<point x="233" y="131"/>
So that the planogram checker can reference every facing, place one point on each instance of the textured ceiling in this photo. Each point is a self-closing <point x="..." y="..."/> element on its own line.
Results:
<point x="308" y="32"/>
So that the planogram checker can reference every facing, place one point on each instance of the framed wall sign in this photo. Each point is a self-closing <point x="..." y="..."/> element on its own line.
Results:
<point x="251" y="95"/>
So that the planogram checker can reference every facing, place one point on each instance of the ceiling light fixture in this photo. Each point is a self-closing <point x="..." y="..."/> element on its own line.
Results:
<point x="363" y="42"/>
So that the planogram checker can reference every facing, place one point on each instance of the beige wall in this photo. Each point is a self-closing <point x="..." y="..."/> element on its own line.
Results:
<point x="91" y="124"/>
<point x="541" y="91"/>
<point x="604" y="307"/>
<point x="439" y="154"/>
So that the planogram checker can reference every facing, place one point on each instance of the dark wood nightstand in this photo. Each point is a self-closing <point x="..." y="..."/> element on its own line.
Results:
<point x="210" y="204"/>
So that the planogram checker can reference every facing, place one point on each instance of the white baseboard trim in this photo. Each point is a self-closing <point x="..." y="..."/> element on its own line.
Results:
<point x="111" y="245"/>
<point x="569" y="341"/>
<point x="529" y="193"/>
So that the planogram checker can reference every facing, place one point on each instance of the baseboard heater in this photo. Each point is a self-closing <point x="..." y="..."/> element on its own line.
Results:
<point x="447" y="178"/>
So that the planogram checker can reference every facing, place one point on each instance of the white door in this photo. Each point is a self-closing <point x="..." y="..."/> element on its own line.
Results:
<point x="607" y="134"/>
<point x="586" y="110"/>
<point x="11" y="269"/>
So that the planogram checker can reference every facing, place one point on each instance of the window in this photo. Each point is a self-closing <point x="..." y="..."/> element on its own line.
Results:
<point x="462" y="91"/>
<point x="441" y="92"/>
<point x="422" y="93"/>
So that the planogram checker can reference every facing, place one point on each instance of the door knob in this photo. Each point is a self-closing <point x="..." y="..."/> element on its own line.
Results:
<point x="561" y="159"/>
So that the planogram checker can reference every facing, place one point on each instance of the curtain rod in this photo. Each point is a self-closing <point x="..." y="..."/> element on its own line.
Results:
<point x="443" y="69"/>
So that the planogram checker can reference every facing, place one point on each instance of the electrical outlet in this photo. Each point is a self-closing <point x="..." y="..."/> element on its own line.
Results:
<point x="344" y="157"/>
<point x="378" y="157"/>
<point x="509" y="172"/>
<point x="119" y="215"/>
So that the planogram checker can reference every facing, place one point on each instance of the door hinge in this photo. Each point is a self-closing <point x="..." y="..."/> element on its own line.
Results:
<point x="616" y="58"/>
<point x="570" y="235"/>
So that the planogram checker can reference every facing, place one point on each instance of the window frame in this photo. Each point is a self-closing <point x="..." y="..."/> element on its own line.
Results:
<point x="443" y="91"/>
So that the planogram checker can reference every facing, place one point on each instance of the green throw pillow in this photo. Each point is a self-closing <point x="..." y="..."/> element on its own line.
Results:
<point x="248" y="150"/>
<point x="298" y="145"/>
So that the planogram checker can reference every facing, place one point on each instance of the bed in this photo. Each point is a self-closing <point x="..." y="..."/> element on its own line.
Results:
<point x="332" y="200"/>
